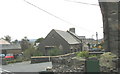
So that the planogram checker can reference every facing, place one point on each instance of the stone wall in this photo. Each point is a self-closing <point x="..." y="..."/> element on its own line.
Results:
<point x="108" y="62"/>
<point x="62" y="63"/>
<point x="39" y="59"/>
<point x="111" y="26"/>
<point x="68" y="64"/>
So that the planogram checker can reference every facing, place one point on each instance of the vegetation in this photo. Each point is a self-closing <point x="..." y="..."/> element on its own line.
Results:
<point x="94" y="56"/>
<point x="25" y="44"/>
<point x="37" y="53"/>
<point x="54" y="52"/>
<point x="29" y="49"/>
<point x="88" y="45"/>
<point x="14" y="61"/>
<point x="15" y="41"/>
<point x="83" y="54"/>
<point x="39" y="40"/>
<point x="28" y="52"/>
<point x="7" y="38"/>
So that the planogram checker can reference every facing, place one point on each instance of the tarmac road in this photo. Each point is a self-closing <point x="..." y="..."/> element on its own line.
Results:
<point x="27" y="67"/>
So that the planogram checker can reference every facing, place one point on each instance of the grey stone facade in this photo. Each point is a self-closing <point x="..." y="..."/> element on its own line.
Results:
<point x="111" y="25"/>
<point x="63" y="40"/>
<point x="10" y="48"/>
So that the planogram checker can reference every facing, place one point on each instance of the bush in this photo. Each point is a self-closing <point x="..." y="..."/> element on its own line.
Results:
<point x="84" y="54"/>
<point x="28" y="52"/>
<point x="54" y="52"/>
<point x="37" y="53"/>
<point x="93" y="56"/>
<point x="14" y="61"/>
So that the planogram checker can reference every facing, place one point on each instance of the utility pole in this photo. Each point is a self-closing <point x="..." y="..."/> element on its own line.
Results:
<point x="96" y="38"/>
<point x="92" y="43"/>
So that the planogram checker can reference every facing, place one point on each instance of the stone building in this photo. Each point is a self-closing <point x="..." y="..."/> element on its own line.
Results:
<point x="86" y="41"/>
<point x="8" y="48"/>
<point x="66" y="41"/>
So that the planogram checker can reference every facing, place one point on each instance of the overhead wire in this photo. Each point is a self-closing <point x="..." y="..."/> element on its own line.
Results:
<point x="56" y="16"/>
<point x="82" y="3"/>
<point x="48" y="12"/>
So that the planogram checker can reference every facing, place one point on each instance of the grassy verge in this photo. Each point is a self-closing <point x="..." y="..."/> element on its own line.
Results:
<point x="10" y="61"/>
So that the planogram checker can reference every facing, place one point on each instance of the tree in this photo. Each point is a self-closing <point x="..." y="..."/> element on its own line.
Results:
<point x="25" y="44"/>
<point x="15" y="41"/>
<point x="39" y="40"/>
<point x="7" y="38"/>
<point x="88" y="45"/>
<point x="29" y="52"/>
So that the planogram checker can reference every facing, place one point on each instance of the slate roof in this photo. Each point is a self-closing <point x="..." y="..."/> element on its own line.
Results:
<point x="70" y="38"/>
<point x="75" y="36"/>
<point x="2" y="41"/>
<point x="9" y="46"/>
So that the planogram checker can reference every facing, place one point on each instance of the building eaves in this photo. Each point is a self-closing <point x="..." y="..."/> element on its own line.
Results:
<point x="75" y="36"/>
<point x="2" y="41"/>
<point x="9" y="46"/>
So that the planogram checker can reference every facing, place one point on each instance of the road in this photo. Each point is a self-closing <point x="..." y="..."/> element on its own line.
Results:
<point x="26" y="67"/>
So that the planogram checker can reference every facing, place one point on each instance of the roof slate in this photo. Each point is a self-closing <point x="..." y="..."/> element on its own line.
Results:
<point x="9" y="46"/>
<point x="2" y="41"/>
<point x="68" y="37"/>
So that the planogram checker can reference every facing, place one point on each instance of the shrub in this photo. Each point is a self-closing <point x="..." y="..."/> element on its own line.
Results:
<point x="37" y="53"/>
<point x="84" y="54"/>
<point x="93" y="56"/>
<point x="54" y="52"/>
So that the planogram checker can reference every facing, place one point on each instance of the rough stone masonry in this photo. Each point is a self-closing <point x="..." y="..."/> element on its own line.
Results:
<point x="111" y="26"/>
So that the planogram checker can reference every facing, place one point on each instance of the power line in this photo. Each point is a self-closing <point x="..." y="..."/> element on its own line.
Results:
<point x="82" y="3"/>
<point x="48" y="12"/>
<point x="56" y="16"/>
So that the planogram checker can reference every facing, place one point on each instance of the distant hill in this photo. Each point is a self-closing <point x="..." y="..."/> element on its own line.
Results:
<point x="32" y="40"/>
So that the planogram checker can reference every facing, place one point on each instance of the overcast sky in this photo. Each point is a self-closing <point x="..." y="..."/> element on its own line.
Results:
<point x="19" y="19"/>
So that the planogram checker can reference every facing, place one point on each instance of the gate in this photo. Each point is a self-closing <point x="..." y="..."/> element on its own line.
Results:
<point x="92" y="65"/>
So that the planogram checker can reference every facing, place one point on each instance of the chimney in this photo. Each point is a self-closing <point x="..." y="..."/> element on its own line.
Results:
<point x="72" y="30"/>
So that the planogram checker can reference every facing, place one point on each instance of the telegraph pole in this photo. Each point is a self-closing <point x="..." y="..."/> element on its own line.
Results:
<point x="96" y="38"/>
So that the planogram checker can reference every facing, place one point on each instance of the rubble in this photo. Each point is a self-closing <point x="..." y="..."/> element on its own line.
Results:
<point x="68" y="64"/>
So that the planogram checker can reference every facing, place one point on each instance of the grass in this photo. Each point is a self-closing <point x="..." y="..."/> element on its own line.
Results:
<point x="85" y="54"/>
<point x="20" y="59"/>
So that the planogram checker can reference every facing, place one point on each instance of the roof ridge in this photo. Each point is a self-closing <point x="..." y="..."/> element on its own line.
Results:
<point x="59" y="30"/>
<point x="75" y="35"/>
